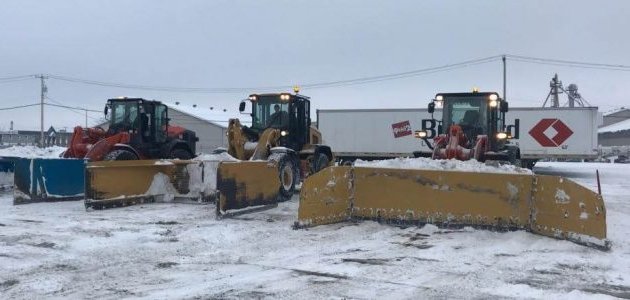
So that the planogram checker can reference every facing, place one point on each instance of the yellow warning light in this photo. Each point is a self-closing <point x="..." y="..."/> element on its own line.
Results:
<point x="475" y="90"/>
<point x="296" y="89"/>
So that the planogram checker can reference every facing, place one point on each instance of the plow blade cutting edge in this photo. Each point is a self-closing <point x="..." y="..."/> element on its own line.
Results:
<point x="546" y="205"/>
<point x="246" y="186"/>
<point x="120" y="183"/>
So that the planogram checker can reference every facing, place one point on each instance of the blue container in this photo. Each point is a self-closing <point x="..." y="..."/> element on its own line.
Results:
<point x="46" y="180"/>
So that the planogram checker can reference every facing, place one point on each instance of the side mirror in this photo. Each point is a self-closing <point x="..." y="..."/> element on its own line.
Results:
<point x="504" y="106"/>
<point x="241" y="107"/>
<point x="431" y="107"/>
<point x="106" y="110"/>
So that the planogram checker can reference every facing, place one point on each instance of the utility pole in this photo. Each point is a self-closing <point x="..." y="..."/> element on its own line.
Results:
<point x="504" y="79"/>
<point x="44" y="90"/>
<point x="86" y="125"/>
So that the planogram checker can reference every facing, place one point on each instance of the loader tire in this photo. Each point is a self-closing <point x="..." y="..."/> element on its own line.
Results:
<point x="121" y="154"/>
<point x="289" y="175"/>
<point x="180" y="154"/>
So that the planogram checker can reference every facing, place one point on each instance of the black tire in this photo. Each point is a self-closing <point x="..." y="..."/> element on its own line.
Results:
<point x="319" y="162"/>
<point x="121" y="154"/>
<point x="179" y="153"/>
<point x="289" y="175"/>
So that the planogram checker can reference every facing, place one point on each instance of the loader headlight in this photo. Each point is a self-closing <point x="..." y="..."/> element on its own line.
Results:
<point x="493" y="97"/>
<point x="284" y="133"/>
<point x="494" y="103"/>
<point x="439" y="98"/>
<point x="253" y="98"/>
<point x="420" y="134"/>
<point x="439" y="103"/>
<point x="285" y="97"/>
<point x="502" y="135"/>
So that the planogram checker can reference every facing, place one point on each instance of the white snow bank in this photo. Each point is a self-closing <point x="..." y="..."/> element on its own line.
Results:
<point x="32" y="151"/>
<point x="216" y="157"/>
<point x="448" y="165"/>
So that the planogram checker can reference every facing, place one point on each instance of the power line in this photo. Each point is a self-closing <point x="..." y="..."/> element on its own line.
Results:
<point x="558" y="62"/>
<point x="70" y="107"/>
<point x="17" y="77"/>
<point x="338" y="83"/>
<point x="19" y="106"/>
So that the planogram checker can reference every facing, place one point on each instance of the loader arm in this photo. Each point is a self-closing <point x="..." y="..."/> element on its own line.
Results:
<point x="104" y="146"/>
<point x="237" y="139"/>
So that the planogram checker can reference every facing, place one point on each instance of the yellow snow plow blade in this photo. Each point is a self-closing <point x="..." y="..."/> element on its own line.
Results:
<point x="246" y="184"/>
<point x="545" y="205"/>
<point x="119" y="183"/>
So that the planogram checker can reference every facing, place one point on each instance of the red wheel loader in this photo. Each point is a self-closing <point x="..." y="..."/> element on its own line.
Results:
<point x="138" y="129"/>
<point x="472" y="127"/>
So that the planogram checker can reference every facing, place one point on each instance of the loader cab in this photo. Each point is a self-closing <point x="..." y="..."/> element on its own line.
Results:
<point x="290" y="113"/>
<point x="477" y="113"/>
<point x="147" y="121"/>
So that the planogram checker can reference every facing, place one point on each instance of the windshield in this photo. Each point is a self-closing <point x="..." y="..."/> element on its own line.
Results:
<point x="468" y="112"/>
<point x="124" y="115"/>
<point x="269" y="111"/>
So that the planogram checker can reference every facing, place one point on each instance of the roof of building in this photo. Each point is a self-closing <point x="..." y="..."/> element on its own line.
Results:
<point x="619" y="126"/>
<point x="214" y="115"/>
<point x="616" y="110"/>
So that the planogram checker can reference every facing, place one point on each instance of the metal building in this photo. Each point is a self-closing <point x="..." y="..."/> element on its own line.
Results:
<point x="616" y="128"/>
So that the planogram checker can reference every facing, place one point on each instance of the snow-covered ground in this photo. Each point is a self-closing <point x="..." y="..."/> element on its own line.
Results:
<point x="32" y="151"/>
<point x="166" y="251"/>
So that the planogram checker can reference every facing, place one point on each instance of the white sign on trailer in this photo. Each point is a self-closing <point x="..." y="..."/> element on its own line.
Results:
<point x="539" y="132"/>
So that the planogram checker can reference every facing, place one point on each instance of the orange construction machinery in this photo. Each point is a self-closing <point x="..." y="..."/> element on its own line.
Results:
<point x="137" y="129"/>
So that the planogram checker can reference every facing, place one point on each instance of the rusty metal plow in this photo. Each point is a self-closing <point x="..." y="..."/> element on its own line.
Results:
<point x="546" y="205"/>
<point x="236" y="186"/>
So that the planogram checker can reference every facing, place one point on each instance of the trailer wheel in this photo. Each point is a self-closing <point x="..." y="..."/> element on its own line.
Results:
<point x="288" y="173"/>
<point x="121" y="154"/>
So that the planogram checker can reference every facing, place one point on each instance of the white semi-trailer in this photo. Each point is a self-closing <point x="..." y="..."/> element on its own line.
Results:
<point x="540" y="133"/>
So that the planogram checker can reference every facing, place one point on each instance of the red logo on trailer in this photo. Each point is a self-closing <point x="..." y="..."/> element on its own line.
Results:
<point x="401" y="129"/>
<point x="563" y="132"/>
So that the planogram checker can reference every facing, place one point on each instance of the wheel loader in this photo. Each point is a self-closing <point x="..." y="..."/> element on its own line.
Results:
<point x="472" y="127"/>
<point x="138" y="129"/>
<point x="281" y="133"/>
<point x="500" y="200"/>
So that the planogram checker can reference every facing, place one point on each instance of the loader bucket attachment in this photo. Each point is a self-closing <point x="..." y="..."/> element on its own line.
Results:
<point x="120" y="183"/>
<point x="47" y="180"/>
<point x="499" y="201"/>
<point x="246" y="184"/>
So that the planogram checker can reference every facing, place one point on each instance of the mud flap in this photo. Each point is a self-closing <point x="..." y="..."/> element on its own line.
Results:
<point x="250" y="185"/>
<point x="454" y="199"/>
<point x="47" y="180"/>
<point x="121" y="183"/>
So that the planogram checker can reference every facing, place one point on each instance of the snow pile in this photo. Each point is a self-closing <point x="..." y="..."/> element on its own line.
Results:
<point x="224" y="156"/>
<point x="210" y="163"/>
<point x="32" y="151"/>
<point x="445" y="165"/>
<point x="162" y="186"/>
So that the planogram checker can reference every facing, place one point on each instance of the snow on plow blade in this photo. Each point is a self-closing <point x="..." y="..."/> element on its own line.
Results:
<point x="250" y="185"/>
<point x="545" y="205"/>
<point x="46" y="180"/>
<point x="121" y="183"/>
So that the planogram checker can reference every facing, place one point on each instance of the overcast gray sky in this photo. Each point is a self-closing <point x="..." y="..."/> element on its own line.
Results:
<point x="216" y="44"/>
